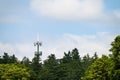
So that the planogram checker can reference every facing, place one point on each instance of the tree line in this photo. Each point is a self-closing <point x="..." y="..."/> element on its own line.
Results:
<point x="70" y="67"/>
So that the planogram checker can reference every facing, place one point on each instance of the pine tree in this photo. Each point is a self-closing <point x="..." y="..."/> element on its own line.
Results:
<point x="26" y="61"/>
<point x="36" y="63"/>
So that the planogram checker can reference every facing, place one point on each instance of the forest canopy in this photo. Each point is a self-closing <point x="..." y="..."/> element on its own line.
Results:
<point x="70" y="67"/>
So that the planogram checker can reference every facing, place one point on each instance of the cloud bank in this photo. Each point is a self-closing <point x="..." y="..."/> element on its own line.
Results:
<point x="85" y="10"/>
<point x="68" y="9"/>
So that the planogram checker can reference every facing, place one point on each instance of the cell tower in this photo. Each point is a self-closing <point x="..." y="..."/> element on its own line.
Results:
<point x="38" y="44"/>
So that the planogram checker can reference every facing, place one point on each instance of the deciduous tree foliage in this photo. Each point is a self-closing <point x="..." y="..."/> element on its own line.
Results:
<point x="71" y="66"/>
<point x="116" y="58"/>
<point x="107" y="67"/>
<point x="100" y="69"/>
<point x="14" y="72"/>
<point x="116" y="52"/>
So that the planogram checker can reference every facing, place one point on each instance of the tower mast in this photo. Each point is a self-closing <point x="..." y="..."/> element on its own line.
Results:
<point x="38" y="44"/>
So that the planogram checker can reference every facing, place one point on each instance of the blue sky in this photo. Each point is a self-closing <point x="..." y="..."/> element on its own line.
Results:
<point x="61" y="25"/>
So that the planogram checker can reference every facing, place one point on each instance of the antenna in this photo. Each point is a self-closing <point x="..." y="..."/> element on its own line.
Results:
<point x="38" y="44"/>
<point x="38" y="37"/>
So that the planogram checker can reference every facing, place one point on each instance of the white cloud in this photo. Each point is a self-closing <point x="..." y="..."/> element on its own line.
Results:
<point x="85" y="10"/>
<point x="85" y="43"/>
<point x="68" y="9"/>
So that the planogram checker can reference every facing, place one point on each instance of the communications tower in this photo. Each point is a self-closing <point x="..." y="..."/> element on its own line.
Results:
<point x="38" y="44"/>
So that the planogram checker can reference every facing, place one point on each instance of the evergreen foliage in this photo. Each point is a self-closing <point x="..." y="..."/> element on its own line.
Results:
<point x="70" y="67"/>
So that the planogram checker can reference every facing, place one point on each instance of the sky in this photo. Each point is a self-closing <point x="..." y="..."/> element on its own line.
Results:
<point x="62" y="25"/>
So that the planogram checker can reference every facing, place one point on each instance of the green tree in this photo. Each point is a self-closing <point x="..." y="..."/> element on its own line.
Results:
<point x="45" y="74"/>
<point x="100" y="69"/>
<point x="106" y="68"/>
<point x="116" y="52"/>
<point x="26" y="61"/>
<point x="49" y="68"/>
<point x="70" y="66"/>
<point x="86" y="62"/>
<point x="75" y="70"/>
<point x="75" y="54"/>
<point x="6" y="59"/>
<point x="14" y="72"/>
<point x="13" y="59"/>
<point x="95" y="56"/>
<point x="1" y="60"/>
<point x="67" y="58"/>
<point x="116" y="58"/>
<point x="63" y="72"/>
<point x="36" y="64"/>
<point x="51" y="62"/>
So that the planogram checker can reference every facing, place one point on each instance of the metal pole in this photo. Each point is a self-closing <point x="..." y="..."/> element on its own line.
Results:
<point x="38" y="44"/>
